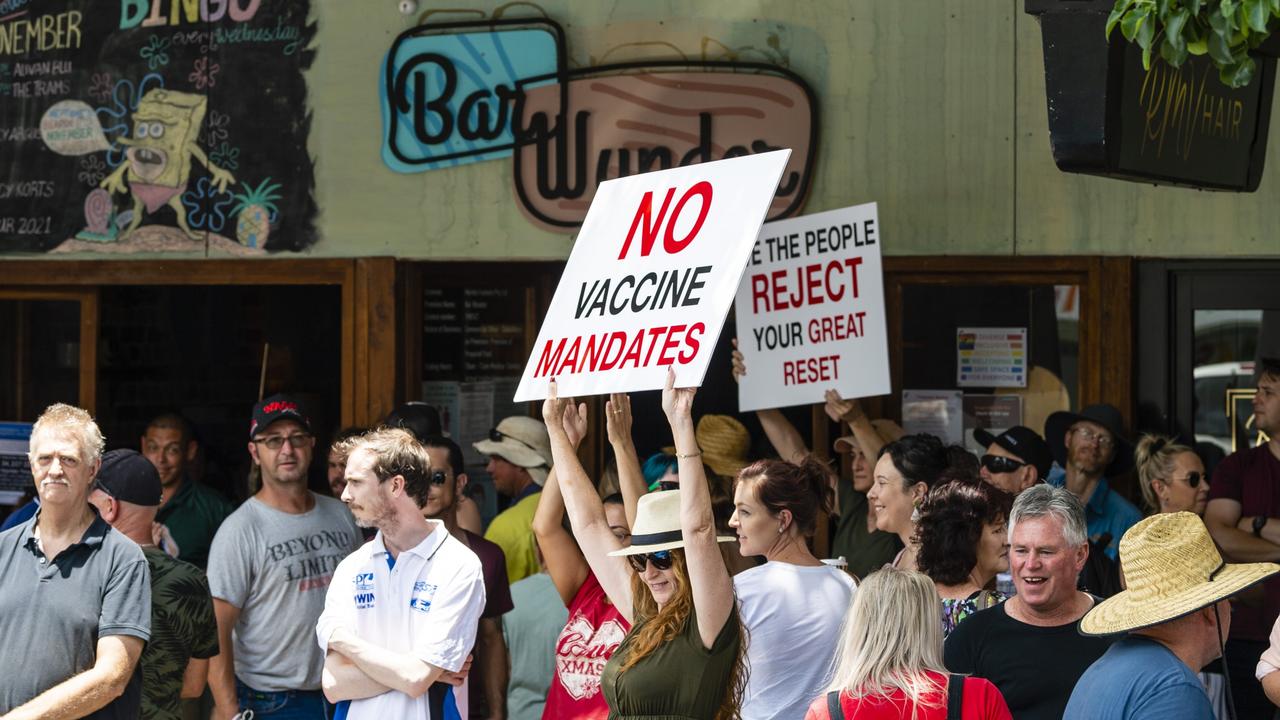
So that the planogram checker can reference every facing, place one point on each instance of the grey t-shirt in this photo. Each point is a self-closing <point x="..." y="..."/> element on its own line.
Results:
<point x="53" y="610"/>
<point x="275" y="566"/>
<point x="531" y="630"/>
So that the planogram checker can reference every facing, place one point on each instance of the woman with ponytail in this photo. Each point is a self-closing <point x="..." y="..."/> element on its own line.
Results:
<point x="1171" y="476"/>
<point x="683" y="656"/>
<point x="793" y="605"/>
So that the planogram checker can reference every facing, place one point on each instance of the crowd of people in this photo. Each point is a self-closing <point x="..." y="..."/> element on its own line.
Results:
<point x="682" y="584"/>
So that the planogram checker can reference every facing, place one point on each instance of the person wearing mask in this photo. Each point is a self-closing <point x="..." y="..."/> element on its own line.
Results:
<point x="1030" y="645"/>
<point x="683" y="656"/>
<point x="964" y="543"/>
<point x="595" y="625"/>
<point x="792" y="606"/>
<point x="889" y="663"/>
<point x="906" y="470"/>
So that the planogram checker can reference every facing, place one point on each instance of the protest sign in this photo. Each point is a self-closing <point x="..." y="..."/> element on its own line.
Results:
<point x="15" y="468"/>
<point x="810" y="311"/>
<point x="651" y="277"/>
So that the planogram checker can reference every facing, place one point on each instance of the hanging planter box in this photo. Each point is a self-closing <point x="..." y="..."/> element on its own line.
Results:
<point x="1171" y="126"/>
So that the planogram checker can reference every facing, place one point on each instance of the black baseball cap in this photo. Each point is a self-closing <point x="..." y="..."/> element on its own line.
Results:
<point x="418" y="418"/>
<point x="129" y="477"/>
<point x="1022" y="442"/>
<point x="276" y="407"/>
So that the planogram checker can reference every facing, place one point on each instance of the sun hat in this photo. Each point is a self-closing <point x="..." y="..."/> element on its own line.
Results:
<point x="657" y="525"/>
<point x="1172" y="568"/>
<point x="519" y="440"/>
<point x="1106" y="415"/>
<point x="888" y="431"/>
<point x="1023" y="442"/>
<point x="724" y="443"/>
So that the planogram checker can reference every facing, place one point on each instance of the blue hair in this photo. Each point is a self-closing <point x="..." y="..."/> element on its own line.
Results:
<point x="656" y="467"/>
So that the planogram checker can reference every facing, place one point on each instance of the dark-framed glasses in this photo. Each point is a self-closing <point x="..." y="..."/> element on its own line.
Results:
<point x="1001" y="464"/>
<point x="438" y="477"/>
<point x="295" y="440"/>
<point x="661" y="560"/>
<point x="497" y="436"/>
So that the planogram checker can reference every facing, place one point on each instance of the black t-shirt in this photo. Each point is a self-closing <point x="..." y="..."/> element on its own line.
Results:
<point x="1034" y="667"/>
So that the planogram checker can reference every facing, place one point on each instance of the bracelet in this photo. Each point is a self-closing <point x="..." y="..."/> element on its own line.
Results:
<point x="688" y="455"/>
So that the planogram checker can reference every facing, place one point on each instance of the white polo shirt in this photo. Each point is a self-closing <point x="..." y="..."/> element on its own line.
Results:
<point x="428" y="605"/>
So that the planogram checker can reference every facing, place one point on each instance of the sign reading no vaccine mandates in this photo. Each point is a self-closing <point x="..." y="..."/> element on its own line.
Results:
<point x="651" y="278"/>
<point x="810" y="311"/>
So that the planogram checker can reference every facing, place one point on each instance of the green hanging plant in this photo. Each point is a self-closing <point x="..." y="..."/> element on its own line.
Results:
<point x="1225" y="30"/>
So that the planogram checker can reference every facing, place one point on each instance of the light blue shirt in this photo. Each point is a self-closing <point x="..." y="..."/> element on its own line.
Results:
<point x="1138" y="679"/>
<point x="1105" y="513"/>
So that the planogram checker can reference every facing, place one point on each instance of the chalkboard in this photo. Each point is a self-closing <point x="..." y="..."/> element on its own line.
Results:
<point x="155" y="125"/>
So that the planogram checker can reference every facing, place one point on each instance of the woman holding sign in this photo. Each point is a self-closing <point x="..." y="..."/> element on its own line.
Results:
<point x="684" y="654"/>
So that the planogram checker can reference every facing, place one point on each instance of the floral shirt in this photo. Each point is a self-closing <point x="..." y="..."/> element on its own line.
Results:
<point x="953" y="611"/>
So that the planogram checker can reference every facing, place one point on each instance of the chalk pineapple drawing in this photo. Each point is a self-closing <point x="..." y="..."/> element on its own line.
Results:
<point x="158" y="155"/>
<point x="256" y="208"/>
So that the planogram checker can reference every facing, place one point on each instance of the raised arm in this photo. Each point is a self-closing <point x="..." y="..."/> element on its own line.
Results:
<point x="708" y="577"/>
<point x="784" y="436"/>
<point x="565" y="564"/>
<point x="630" y="476"/>
<point x="850" y="412"/>
<point x="586" y="512"/>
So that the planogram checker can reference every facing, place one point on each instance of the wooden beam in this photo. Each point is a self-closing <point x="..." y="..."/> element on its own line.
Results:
<point x="374" y="356"/>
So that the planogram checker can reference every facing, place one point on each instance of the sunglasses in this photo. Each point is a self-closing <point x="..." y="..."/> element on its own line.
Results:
<point x="1193" y="479"/>
<point x="498" y="436"/>
<point x="1001" y="464"/>
<point x="438" y="477"/>
<point x="661" y="560"/>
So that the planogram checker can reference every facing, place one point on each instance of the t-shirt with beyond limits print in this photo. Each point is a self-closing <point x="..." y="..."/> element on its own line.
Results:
<point x="589" y="639"/>
<point x="275" y="566"/>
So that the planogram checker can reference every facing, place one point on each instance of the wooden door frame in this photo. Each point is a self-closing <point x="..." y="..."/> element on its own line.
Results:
<point x="88" y="360"/>
<point x="368" y="287"/>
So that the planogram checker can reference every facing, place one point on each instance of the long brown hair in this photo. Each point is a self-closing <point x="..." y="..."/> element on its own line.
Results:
<point x="653" y="627"/>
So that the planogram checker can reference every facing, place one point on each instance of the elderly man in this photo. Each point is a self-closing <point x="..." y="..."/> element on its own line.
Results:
<point x="1176" y="617"/>
<point x="269" y="567"/>
<point x="519" y="453"/>
<point x="1015" y="459"/>
<point x="402" y="611"/>
<point x="1029" y="645"/>
<point x="1090" y="447"/>
<point x="75" y="604"/>
<point x="184" y="633"/>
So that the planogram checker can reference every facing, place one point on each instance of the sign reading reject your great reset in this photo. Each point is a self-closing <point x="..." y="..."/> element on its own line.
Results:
<point x="651" y="278"/>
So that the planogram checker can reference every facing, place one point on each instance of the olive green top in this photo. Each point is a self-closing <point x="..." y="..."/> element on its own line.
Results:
<point x="680" y="680"/>
<point x="865" y="551"/>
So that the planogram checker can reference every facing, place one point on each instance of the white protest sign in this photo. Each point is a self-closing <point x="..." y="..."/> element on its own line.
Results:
<point x="651" y="278"/>
<point x="810" y="311"/>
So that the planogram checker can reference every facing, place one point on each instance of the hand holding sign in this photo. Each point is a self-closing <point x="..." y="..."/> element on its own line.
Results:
<point x="651" y="277"/>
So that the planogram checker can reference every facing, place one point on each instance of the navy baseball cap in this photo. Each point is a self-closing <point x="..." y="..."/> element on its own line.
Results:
<point x="1023" y="442"/>
<point x="276" y="407"/>
<point x="129" y="477"/>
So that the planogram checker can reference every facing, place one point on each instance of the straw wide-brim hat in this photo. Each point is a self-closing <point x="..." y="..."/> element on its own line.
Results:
<point x="888" y="431"/>
<point x="658" y="525"/>
<point x="1172" y="569"/>
<point x="724" y="442"/>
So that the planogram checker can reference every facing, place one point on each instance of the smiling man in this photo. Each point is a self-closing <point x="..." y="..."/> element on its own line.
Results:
<point x="1029" y="645"/>
<point x="75" y="604"/>
<point x="269" y="567"/>
<point x="190" y="510"/>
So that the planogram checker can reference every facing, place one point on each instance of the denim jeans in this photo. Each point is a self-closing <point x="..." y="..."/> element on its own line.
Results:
<point x="285" y="705"/>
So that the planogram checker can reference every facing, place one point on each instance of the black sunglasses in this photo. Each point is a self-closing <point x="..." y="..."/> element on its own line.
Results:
<point x="661" y="560"/>
<point x="497" y="436"/>
<point x="438" y="477"/>
<point x="1193" y="479"/>
<point x="1001" y="464"/>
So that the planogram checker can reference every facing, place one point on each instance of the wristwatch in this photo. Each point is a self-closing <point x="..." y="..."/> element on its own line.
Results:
<point x="1259" y="522"/>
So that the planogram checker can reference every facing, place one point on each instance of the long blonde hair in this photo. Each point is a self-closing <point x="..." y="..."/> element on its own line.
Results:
<point x="653" y="627"/>
<point x="892" y="638"/>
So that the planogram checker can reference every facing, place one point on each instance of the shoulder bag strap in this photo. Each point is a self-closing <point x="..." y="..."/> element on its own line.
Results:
<point x="955" y="696"/>
<point x="833" y="705"/>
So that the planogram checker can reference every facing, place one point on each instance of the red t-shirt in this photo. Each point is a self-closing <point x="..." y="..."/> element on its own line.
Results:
<point x="587" y="642"/>
<point x="982" y="701"/>
<point x="1251" y="477"/>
